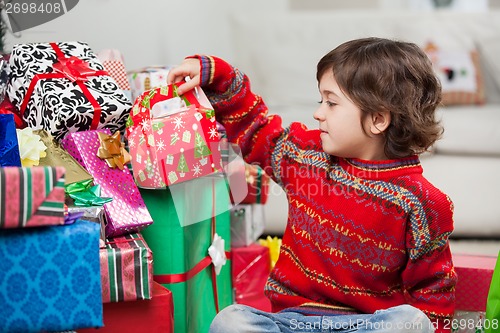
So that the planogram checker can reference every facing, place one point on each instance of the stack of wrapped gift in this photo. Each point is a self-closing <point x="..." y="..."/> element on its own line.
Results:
<point x="177" y="165"/>
<point x="251" y="264"/>
<point x="251" y="260"/>
<point x="125" y="257"/>
<point x="49" y="279"/>
<point x="75" y="114"/>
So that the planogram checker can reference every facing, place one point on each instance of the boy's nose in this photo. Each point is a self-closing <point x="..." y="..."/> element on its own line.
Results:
<point x="317" y="115"/>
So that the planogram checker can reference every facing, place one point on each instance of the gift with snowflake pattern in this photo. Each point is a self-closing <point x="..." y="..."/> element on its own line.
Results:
<point x="172" y="138"/>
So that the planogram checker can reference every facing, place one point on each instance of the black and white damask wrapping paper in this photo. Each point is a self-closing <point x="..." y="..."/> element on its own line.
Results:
<point x="59" y="105"/>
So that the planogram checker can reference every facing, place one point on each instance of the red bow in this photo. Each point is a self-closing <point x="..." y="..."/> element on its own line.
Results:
<point x="73" y="68"/>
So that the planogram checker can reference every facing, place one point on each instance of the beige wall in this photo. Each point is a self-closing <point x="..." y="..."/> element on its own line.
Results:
<point x="332" y="4"/>
<point x="360" y="4"/>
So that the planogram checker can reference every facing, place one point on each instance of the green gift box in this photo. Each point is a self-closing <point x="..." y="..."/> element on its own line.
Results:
<point x="186" y="218"/>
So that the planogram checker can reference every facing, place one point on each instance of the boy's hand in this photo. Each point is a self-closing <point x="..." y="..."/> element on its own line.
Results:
<point x="189" y="67"/>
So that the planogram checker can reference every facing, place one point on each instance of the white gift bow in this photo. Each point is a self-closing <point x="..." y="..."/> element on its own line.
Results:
<point x="217" y="253"/>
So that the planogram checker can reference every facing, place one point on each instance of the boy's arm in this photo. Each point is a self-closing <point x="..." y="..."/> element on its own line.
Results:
<point x="243" y="113"/>
<point x="429" y="277"/>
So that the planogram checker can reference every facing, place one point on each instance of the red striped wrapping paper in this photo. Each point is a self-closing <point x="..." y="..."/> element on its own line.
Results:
<point x="31" y="197"/>
<point x="126" y="269"/>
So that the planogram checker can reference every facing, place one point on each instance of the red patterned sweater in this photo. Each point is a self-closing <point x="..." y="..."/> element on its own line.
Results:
<point x="361" y="235"/>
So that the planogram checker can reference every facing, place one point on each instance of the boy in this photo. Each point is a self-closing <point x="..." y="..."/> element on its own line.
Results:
<point x="366" y="244"/>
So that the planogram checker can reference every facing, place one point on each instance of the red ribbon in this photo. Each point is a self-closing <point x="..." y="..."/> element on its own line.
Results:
<point x="200" y="266"/>
<point x="214" y="274"/>
<point x="75" y="70"/>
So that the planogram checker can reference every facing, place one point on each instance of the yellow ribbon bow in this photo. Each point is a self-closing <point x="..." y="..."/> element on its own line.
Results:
<point x="113" y="150"/>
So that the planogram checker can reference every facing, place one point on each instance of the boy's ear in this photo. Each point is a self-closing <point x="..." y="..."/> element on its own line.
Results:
<point x="380" y="121"/>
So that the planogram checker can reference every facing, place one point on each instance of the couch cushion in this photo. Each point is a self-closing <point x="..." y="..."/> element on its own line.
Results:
<point x="469" y="183"/>
<point x="489" y="50"/>
<point x="460" y="74"/>
<point x="470" y="130"/>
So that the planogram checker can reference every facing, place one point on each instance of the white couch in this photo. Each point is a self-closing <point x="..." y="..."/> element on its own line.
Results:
<point x="279" y="52"/>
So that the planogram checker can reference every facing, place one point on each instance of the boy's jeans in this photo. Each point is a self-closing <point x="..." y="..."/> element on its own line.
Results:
<point x="244" y="319"/>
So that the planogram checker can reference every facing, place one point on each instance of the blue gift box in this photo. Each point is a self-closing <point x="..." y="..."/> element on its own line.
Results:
<point x="9" y="147"/>
<point x="50" y="278"/>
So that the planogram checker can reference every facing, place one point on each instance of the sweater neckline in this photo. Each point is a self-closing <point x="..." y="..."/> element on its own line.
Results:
<point x="381" y="169"/>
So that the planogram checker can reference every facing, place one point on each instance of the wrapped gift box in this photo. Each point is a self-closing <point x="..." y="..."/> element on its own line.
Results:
<point x="474" y="277"/>
<point x="9" y="146"/>
<point x="144" y="316"/>
<point x="50" y="278"/>
<point x="147" y="78"/>
<point x="257" y="182"/>
<point x="247" y="224"/>
<point x="88" y="213"/>
<point x="126" y="269"/>
<point x="172" y="139"/>
<point x="31" y="197"/>
<point x="250" y="272"/>
<point x="127" y="212"/>
<point x="62" y="87"/>
<point x="180" y="239"/>
<point x="114" y="63"/>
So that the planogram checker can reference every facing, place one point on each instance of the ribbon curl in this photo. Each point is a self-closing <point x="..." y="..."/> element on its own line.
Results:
<point x="80" y="186"/>
<point x="89" y="197"/>
<point x="31" y="148"/>
<point x="113" y="150"/>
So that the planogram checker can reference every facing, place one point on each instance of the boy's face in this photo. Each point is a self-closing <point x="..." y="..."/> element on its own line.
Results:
<point x="340" y="124"/>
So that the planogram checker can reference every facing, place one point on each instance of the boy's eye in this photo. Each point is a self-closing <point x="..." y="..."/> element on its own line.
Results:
<point x="330" y="104"/>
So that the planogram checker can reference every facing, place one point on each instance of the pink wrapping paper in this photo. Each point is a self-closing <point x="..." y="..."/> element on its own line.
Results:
<point x="127" y="212"/>
<point x="474" y="277"/>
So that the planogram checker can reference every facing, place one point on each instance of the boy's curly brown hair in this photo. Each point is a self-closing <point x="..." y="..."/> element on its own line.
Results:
<point x="380" y="74"/>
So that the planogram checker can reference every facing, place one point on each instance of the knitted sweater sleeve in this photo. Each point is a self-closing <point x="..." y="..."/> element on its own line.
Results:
<point x="429" y="277"/>
<point x="243" y="113"/>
